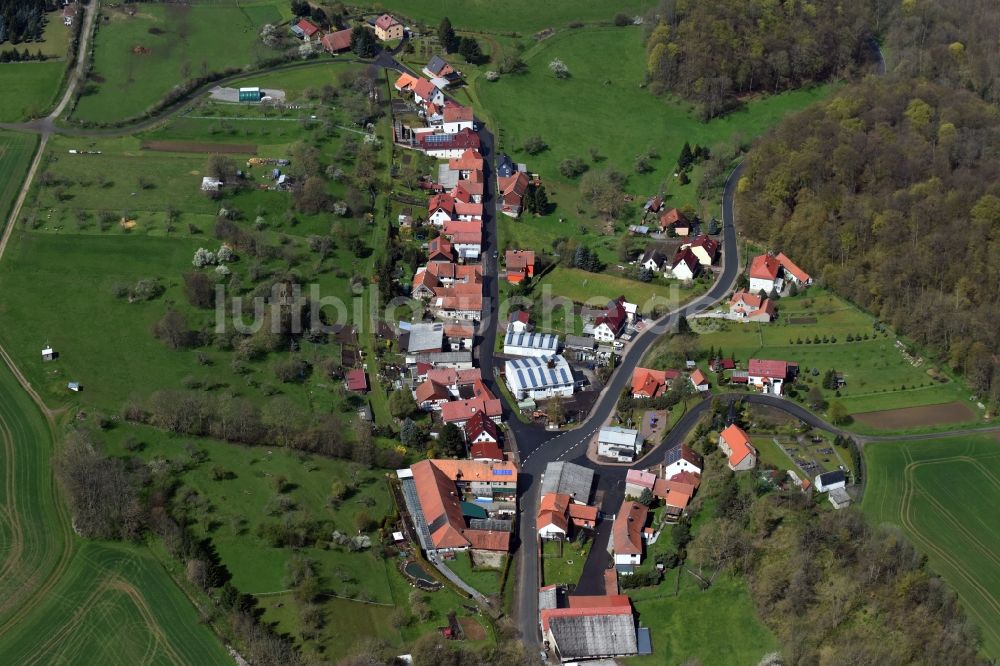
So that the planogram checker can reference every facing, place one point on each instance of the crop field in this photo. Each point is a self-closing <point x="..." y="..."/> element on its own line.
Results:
<point x="679" y="624"/>
<point x="520" y="16"/>
<point x="141" y="53"/>
<point x="16" y="153"/>
<point x="61" y="597"/>
<point x="582" y="111"/>
<point x="944" y="494"/>
<point x="878" y="376"/>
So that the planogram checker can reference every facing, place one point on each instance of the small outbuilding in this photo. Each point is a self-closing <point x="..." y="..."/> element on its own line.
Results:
<point x="75" y="387"/>
<point x="48" y="354"/>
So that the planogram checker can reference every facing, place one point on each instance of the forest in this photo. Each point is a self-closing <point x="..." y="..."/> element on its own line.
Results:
<point x="22" y="20"/>
<point x="716" y="51"/>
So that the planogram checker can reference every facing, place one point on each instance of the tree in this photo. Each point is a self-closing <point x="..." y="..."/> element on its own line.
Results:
<point x="572" y="167"/>
<point x="312" y="197"/>
<point x="221" y="167"/>
<point x="555" y="410"/>
<point x="816" y="399"/>
<point x="534" y="145"/>
<point x="685" y="158"/>
<point x="559" y="69"/>
<point x="838" y="413"/>
<point x="603" y="190"/>
<point x="528" y="200"/>
<point x="512" y="64"/>
<point x="469" y="49"/>
<point x="446" y="35"/>
<point x="363" y="42"/>
<point x="646" y="497"/>
<point x="172" y="330"/>
<point x="622" y="20"/>
<point x="644" y="275"/>
<point x="402" y="404"/>
<point x="199" y="289"/>
<point x="541" y="200"/>
<point x="450" y="441"/>
<point x="410" y="434"/>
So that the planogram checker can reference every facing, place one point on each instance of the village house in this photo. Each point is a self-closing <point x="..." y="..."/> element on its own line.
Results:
<point x="653" y="259"/>
<point x="461" y="302"/>
<point x="357" y="381"/>
<point x="459" y="336"/>
<point x="653" y="205"/>
<point x="570" y="479"/>
<point x="591" y="627"/>
<point x="539" y="377"/>
<point x="446" y="500"/>
<point x="69" y="13"/>
<point x="512" y="189"/>
<point x="637" y="481"/>
<point x="441" y="209"/>
<point x="736" y="444"/>
<point x="609" y="326"/>
<point x="770" y="376"/>
<point x="457" y="118"/>
<point x="684" y="265"/>
<point x="520" y="265"/>
<point x="430" y="395"/>
<point x="467" y="163"/>
<point x="792" y="272"/>
<point x="466" y="238"/>
<point x="628" y="534"/>
<point x="559" y="517"/>
<point x="621" y="444"/>
<point x="839" y="498"/>
<point x="387" y="28"/>
<point x="335" y="42"/>
<point x="481" y="429"/>
<point x="682" y="458"/>
<point x="485" y="451"/>
<point x="769" y="273"/>
<point x="441" y="73"/>
<point x="520" y="321"/>
<point x="440" y="249"/>
<point x="699" y="380"/>
<point x="676" y="220"/>
<point x="530" y="344"/>
<point x="460" y="411"/>
<point x="648" y="383"/>
<point x="447" y="146"/>
<point x="704" y="248"/>
<point x="746" y="306"/>
<point x="677" y="493"/>
<point x="306" y="30"/>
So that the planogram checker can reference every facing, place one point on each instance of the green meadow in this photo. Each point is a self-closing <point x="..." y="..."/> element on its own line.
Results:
<point x="29" y="88"/>
<point x="16" y="152"/>
<point x="522" y="16"/>
<point x="943" y="494"/>
<point x="140" y="56"/>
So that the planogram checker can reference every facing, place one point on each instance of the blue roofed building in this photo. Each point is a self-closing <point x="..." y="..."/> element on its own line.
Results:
<point x="530" y="344"/>
<point x="539" y="377"/>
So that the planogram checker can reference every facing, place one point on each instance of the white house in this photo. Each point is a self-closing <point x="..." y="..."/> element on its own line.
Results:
<point x="628" y="535"/>
<point x="769" y="376"/>
<point x="654" y="260"/>
<point x="609" y="326"/>
<point x="764" y="270"/>
<point x="830" y="480"/>
<point x="622" y="444"/>
<point x="679" y="459"/>
<point x="736" y="444"/>
<point x="539" y="377"/>
<point x="456" y="119"/>
<point x="530" y="344"/>
<point x="685" y="265"/>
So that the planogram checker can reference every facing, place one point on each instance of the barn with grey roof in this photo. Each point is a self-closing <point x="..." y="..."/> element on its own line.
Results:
<point x="566" y="478"/>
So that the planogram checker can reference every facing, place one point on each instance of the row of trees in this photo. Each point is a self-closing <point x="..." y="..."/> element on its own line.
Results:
<point x="712" y="52"/>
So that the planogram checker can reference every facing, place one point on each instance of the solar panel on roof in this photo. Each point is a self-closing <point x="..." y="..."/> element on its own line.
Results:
<point x="503" y="472"/>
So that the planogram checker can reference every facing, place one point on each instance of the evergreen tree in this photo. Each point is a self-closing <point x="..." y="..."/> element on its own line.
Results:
<point x="528" y="203"/>
<point x="363" y="42"/>
<point x="469" y="49"/>
<point x="541" y="200"/>
<point x="684" y="161"/>
<point x="446" y="35"/>
<point x="581" y="257"/>
<point x="410" y="434"/>
<point x="450" y="442"/>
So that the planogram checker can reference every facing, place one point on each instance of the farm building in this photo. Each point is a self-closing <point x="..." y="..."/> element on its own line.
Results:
<point x="539" y="377"/>
<point x="530" y="344"/>
<point x="622" y="444"/>
<point x="558" y="515"/>
<point x="253" y="94"/>
<point x="305" y="30"/>
<point x="839" y="498"/>
<point x="568" y="479"/>
<point x="48" y="354"/>
<point x="591" y="627"/>
<point x="335" y="42"/>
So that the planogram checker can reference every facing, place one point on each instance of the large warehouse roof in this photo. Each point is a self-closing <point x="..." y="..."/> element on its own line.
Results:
<point x="538" y="373"/>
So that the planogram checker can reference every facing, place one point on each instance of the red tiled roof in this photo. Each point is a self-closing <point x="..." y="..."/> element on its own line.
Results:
<point x="522" y="316"/>
<point x="463" y="410"/>
<point x="516" y="184"/>
<point x="790" y="266"/>
<point x="478" y="424"/>
<point x="454" y="113"/>
<point x="470" y="160"/>
<point x="764" y="267"/>
<point x="677" y="499"/>
<point x="436" y="493"/>
<point x="673" y="217"/>
<point x="405" y="82"/>
<point x="461" y="140"/>
<point x="431" y="391"/>
<point x="614" y="315"/>
<point x="687" y="477"/>
<point x="739" y="444"/>
<point x="440" y="246"/>
<point x="486" y="450"/>
<point x="641" y="478"/>
<point x="385" y="21"/>
<point x="468" y="209"/>
<point x="553" y="509"/>
<point x="442" y="201"/>
<point x="698" y="378"/>
<point x="687" y="256"/>
<point x="357" y="380"/>
<point x="759" y="367"/>
<point x="519" y="259"/>
<point x="710" y="245"/>
<point x="626" y="532"/>
<point x="424" y="89"/>
<point x="488" y="540"/>
<point x="650" y="383"/>
<point x="611" y="606"/>
<point x="475" y="470"/>
<point x="337" y="41"/>
<point x="307" y="27"/>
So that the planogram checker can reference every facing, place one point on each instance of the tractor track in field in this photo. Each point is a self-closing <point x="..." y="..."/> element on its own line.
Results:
<point x="906" y="520"/>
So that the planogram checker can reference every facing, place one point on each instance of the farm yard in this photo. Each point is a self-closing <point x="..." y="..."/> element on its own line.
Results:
<point x="141" y="51"/>
<point x="878" y="374"/>
<point x="943" y="493"/>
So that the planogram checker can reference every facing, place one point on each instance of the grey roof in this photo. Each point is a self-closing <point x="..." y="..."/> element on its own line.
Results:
<point x="436" y="64"/>
<point x="839" y="497"/>
<point x="654" y="254"/>
<point x="548" y="597"/>
<point x="645" y="643"/>
<point x="447" y="357"/>
<point x="618" y="435"/>
<point x="582" y="636"/>
<point x="534" y="373"/>
<point x="412" y="500"/>
<point x="579" y="342"/>
<point x="540" y="341"/>
<point x="425" y="337"/>
<point x="830" y="478"/>
<point x="447" y="177"/>
<point x="568" y="479"/>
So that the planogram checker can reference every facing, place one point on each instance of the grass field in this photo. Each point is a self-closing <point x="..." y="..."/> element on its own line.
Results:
<point x="944" y="494"/>
<point x="596" y="289"/>
<point x="139" y="58"/>
<point x="587" y="110"/>
<point x="16" y="153"/>
<point x="565" y="569"/>
<point x="520" y="16"/>
<point x="878" y="375"/>
<point x="29" y="88"/>
<point x="486" y="581"/>
<point x="61" y="597"/>
<point x="680" y="625"/>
